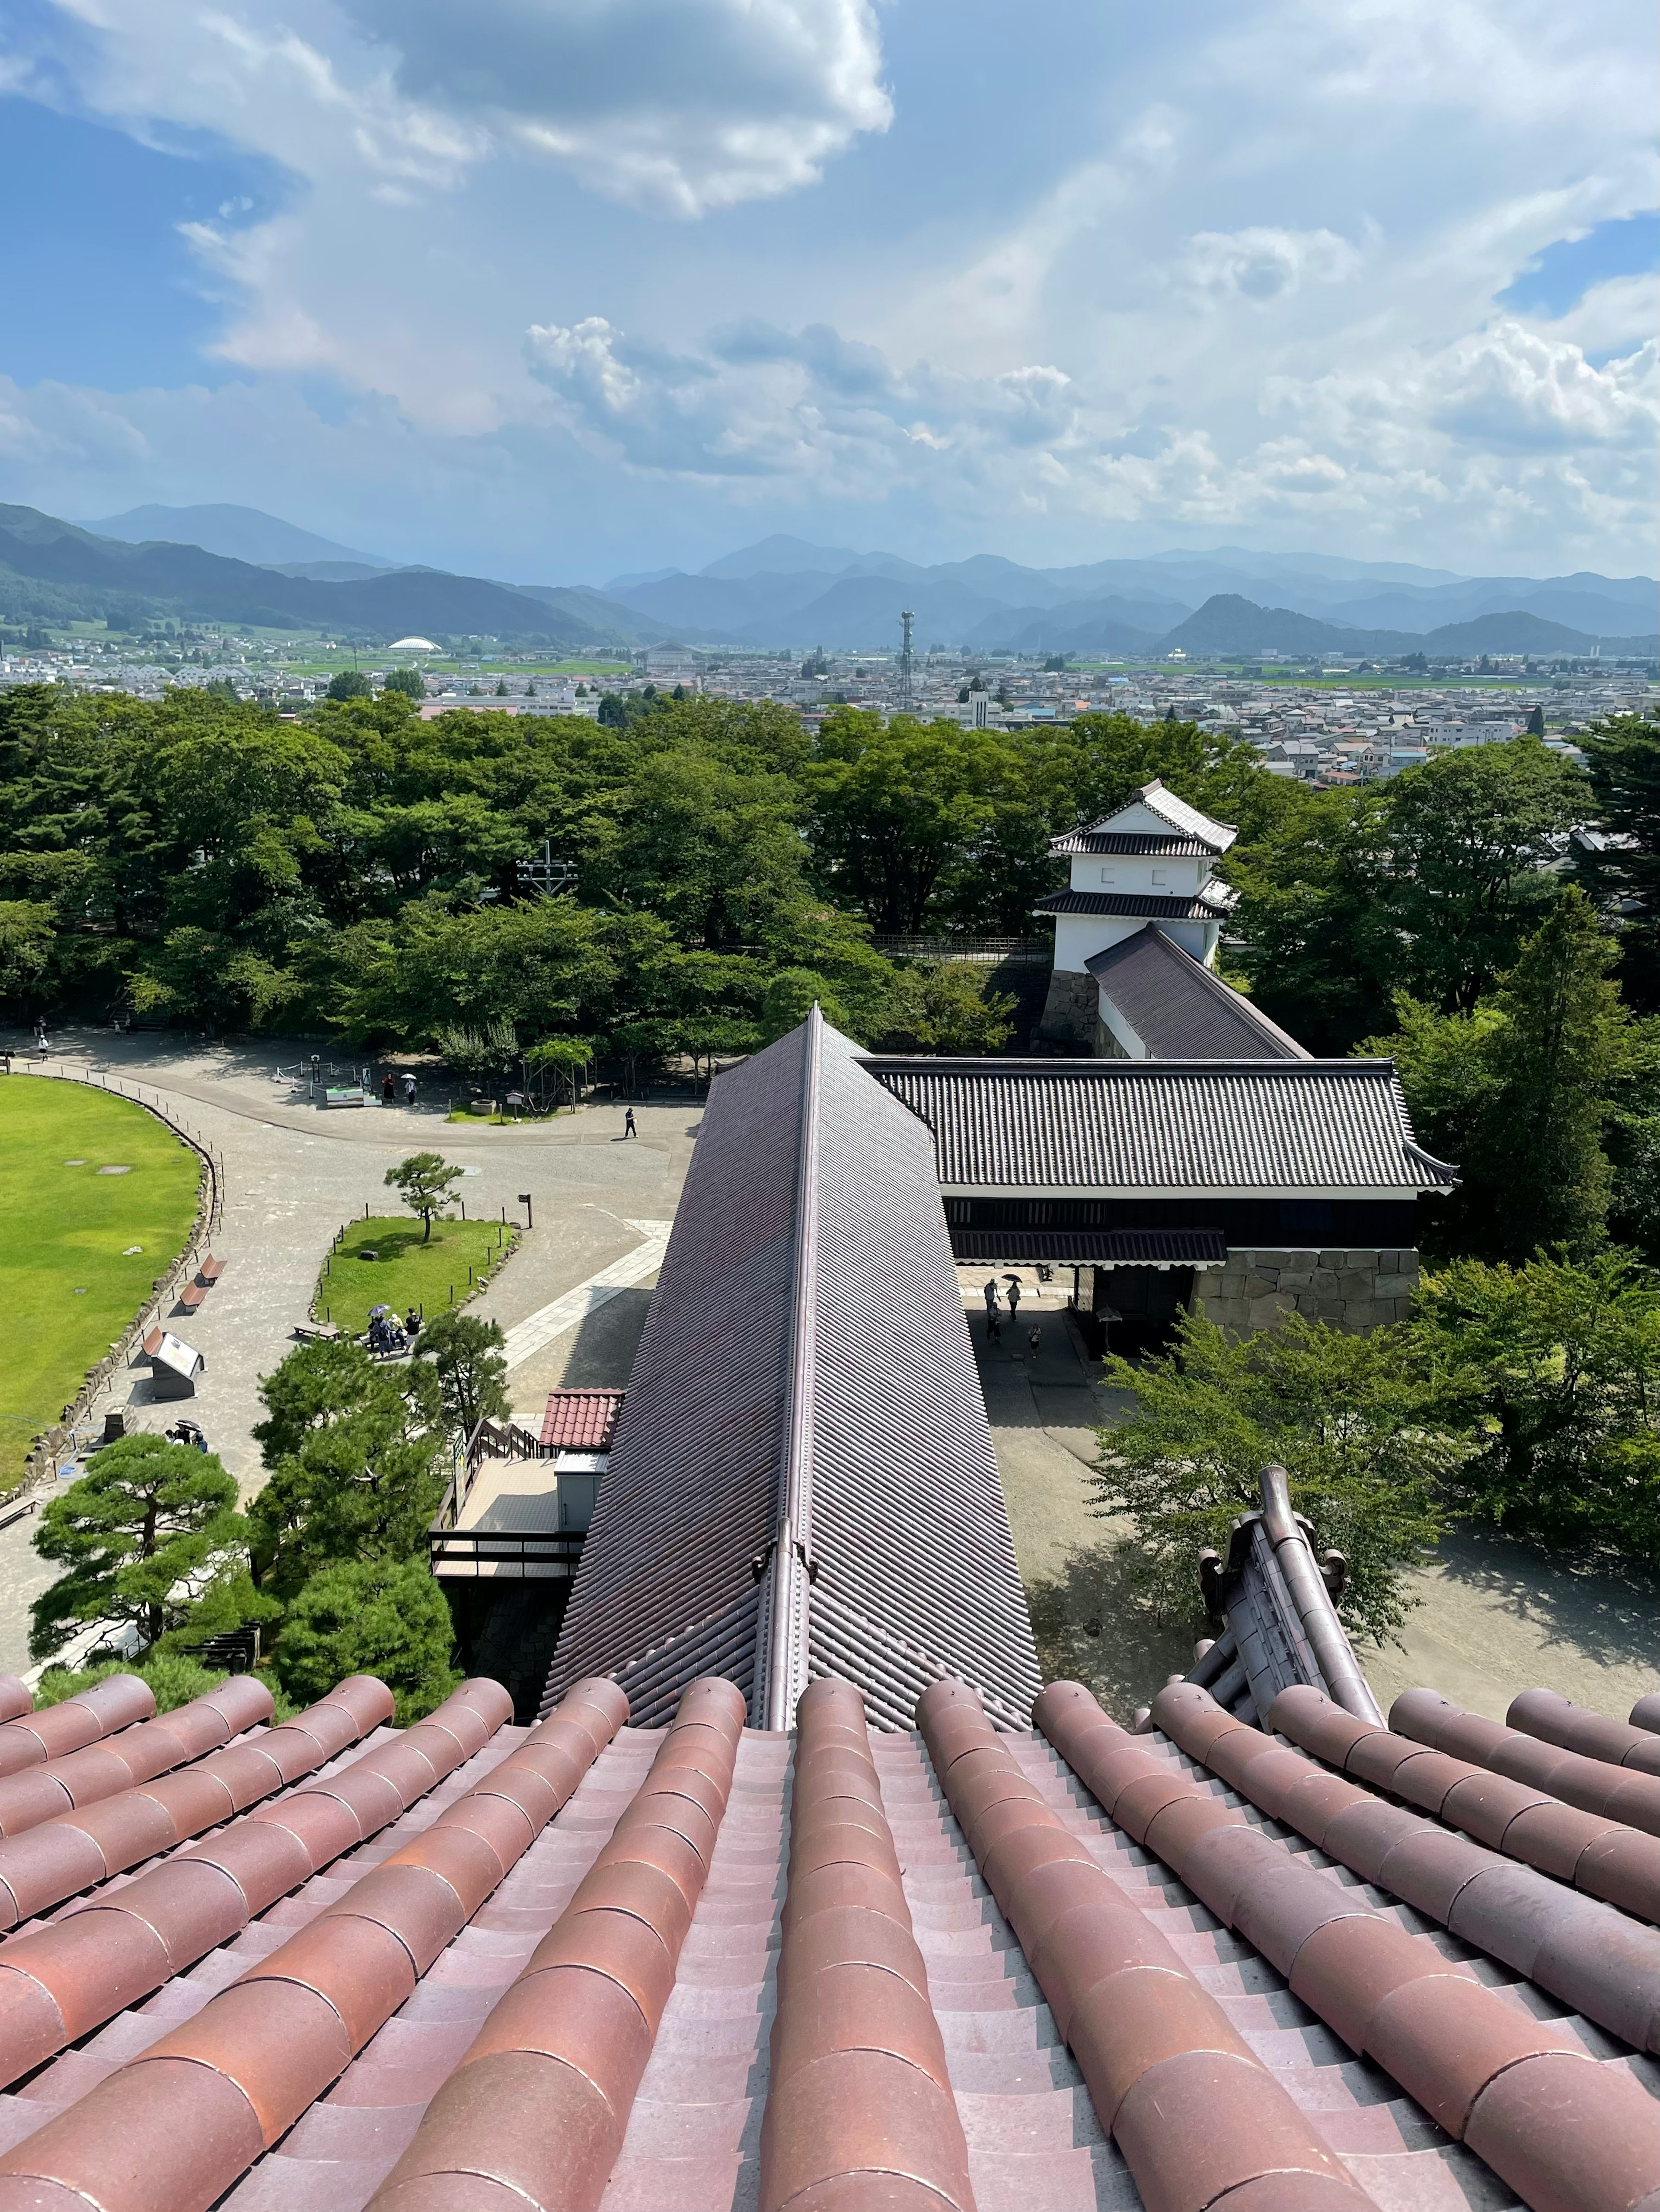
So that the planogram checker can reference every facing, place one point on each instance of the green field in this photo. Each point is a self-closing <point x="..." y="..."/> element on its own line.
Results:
<point x="406" y="1272"/>
<point x="69" y="1284"/>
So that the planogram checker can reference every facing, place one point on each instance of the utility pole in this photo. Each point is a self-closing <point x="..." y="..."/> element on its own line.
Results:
<point x="907" y="667"/>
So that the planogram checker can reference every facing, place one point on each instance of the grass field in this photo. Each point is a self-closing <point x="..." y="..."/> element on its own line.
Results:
<point x="69" y="1281"/>
<point x="406" y="1272"/>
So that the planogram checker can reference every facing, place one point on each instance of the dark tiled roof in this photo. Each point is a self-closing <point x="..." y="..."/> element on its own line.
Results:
<point x="1214" y="901"/>
<point x="1171" y="845"/>
<point x="802" y="1481"/>
<point x="1128" y="1125"/>
<point x="1097" y="1248"/>
<point x="474" y="1968"/>
<point x="1178" y="1009"/>
<point x="581" y="1420"/>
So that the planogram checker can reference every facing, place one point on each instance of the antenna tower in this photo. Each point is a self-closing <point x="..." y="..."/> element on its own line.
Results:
<point x="907" y="667"/>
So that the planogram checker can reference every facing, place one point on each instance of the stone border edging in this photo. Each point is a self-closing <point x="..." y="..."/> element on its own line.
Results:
<point x="40" y="1465"/>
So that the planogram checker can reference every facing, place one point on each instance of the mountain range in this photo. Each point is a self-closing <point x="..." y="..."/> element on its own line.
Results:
<point x="235" y="564"/>
<point x="785" y="591"/>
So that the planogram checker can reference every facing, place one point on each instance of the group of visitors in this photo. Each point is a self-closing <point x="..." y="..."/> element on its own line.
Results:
<point x="996" y="1297"/>
<point x="388" y="1336"/>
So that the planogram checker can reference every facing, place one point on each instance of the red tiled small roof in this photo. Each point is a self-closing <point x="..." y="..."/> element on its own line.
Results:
<point x="580" y="1420"/>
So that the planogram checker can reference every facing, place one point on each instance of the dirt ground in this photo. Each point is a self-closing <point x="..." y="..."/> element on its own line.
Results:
<point x="1494" y="1617"/>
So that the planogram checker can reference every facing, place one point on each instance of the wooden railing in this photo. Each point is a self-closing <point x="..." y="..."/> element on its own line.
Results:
<point x="557" y="1554"/>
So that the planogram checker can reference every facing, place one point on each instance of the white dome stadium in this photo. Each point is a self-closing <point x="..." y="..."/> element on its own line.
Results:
<point x="412" y="645"/>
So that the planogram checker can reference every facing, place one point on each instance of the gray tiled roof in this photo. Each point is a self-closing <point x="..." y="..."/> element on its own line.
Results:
<point x="1300" y="1126"/>
<point x="1100" y="1248"/>
<point x="1179" y="1010"/>
<point x="806" y="1373"/>
<point x="1214" y="901"/>
<point x="1171" y="845"/>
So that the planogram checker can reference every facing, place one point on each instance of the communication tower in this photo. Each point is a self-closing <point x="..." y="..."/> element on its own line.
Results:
<point x="907" y="666"/>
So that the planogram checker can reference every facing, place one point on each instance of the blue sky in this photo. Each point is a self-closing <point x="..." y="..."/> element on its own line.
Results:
<point x="548" y="288"/>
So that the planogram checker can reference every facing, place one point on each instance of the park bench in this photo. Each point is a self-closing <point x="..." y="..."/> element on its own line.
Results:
<point x="191" y="1295"/>
<point x="210" y="1271"/>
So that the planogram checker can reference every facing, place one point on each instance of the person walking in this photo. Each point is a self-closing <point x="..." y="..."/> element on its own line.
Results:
<point x="388" y="1090"/>
<point x="1014" y="1298"/>
<point x="409" y="1091"/>
<point x="993" y="1324"/>
<point x="629" y="1129"/>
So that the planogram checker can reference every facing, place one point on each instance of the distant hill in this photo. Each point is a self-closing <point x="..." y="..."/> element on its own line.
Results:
<point x="96" y="575"/>
<point x="1228" y="625"/>
<point x="237" y="533"/>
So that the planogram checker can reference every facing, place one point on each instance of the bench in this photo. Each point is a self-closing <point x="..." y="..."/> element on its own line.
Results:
<point x="152" y="1342"/>
<point x="191" y="1295"/>
<point x="210" y="1271"/>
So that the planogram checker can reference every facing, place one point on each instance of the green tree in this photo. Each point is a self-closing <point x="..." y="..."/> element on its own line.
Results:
<point x="473" y="1375"/>
<point x="1556" y="1369"/>
<point x="350" y="683"/>
<point x="1352" y="1419"/>
<point x="384" y="1617"/>
<point x="354" y="1449"/>
<point x="27" y="931"/>
<point x="411" y="681"/>
<point x="426" y="1184"/>
<point x="567" y="1056"/>
<point x="1519" y="1094"/>
<point x="1621" y="868"/>
<point x="1426" y="884"/>
<point x="1466" y="834"/>
<point x="174" y="1680"/>
<point x="142" y="1535"/>
<point x="896" y="805"/>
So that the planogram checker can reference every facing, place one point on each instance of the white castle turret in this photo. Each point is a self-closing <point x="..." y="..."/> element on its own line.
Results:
<point x="1151" y="861"/>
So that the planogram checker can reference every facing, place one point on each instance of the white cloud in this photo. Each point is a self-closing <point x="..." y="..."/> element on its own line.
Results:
<point x="676" y="106"/>
<point x="1249" y="284"/>
<point x="1264" y="264"/>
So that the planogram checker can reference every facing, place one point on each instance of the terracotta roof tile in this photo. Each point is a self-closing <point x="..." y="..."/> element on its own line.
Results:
<point x="709" y="1967"/>
<point x="581" y="1420"/>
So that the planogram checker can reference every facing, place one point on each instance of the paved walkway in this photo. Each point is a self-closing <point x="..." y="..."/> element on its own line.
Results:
<point x="293" y="1172"/>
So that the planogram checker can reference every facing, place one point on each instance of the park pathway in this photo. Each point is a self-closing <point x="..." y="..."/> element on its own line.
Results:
<point x="293" y="1173"/>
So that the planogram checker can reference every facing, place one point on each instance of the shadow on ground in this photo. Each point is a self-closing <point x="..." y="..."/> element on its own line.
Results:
<point x="1090" y="1627"/>
<point x="1606" y="1613"/>
<point x="597" y="1354"/>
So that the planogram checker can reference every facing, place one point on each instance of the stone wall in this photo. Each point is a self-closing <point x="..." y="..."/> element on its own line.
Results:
<point x="1355" y="1290"/>
<point x="1071" y="1012"/>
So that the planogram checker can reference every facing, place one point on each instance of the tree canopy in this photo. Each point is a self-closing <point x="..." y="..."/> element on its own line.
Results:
<point x="142" y="1536"/>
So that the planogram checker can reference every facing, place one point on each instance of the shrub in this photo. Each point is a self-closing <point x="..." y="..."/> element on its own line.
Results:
<point x="384" y="1617"/>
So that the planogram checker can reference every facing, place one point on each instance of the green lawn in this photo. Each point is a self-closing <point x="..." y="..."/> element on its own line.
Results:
<point x="69" y="1285"/>
<point x="405" y="1271"/>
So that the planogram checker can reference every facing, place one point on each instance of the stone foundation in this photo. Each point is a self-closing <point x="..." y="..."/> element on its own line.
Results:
<point x="1352" y="1290"/>
<point x="1071" y="1012"/>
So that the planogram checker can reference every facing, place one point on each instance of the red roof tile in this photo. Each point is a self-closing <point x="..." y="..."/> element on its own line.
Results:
<point x="474" y="1966"/>
<point x="580" y="1420"/>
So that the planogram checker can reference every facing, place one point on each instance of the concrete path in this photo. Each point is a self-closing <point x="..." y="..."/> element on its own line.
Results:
<point x="537" y="1330"/>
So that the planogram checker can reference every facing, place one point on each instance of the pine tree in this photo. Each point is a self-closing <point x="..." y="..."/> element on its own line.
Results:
<point x="1563" y="1035"/>
<point x="144" y="1532"/>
